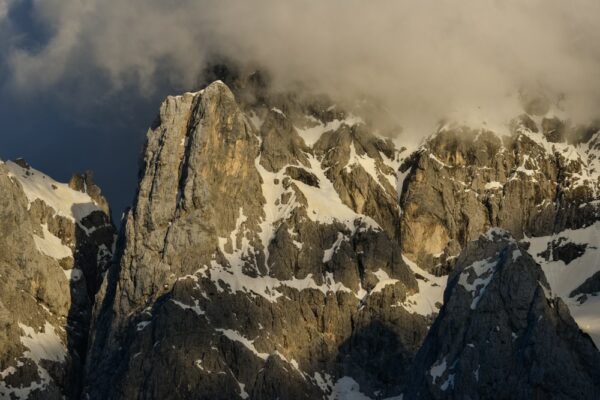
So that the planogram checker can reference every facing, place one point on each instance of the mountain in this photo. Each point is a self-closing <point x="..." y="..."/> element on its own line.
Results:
<point x="502" y="333"/>
<point x="282" y="245"/>
<point x="57" y="240"/>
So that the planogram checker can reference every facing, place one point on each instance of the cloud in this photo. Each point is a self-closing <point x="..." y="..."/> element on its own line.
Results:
<point x="3" y="9"/>
<point x="422" y="58"/>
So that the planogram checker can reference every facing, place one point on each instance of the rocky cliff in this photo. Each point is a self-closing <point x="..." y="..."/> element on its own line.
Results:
<point x="503" y="334"/>
<point x="532" y="181"/>
<point x="256" y="260"/>
<point x="56" y="242"/>
<point x="281" y="245"/>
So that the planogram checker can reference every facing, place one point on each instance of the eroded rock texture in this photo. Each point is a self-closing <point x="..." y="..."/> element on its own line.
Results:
<point x="464" y="181"/>
<point x="263" y="257"/>
<point x="55" y="243"/>
<point x="502" y="333"/>
<point x="239" y="243"/>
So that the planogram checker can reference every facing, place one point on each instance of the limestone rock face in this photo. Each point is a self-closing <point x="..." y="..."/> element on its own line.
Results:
<point x="55" y="243"/>
<point x="276" y="259"/>
<point x="463" y="181"/>
<point x="503" y="334"/>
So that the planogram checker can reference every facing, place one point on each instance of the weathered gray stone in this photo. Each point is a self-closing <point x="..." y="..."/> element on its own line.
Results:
<point x="45" y="316"/>
<point x="501" y="334"/>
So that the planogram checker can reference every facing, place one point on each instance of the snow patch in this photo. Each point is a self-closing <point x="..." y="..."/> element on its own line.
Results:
<point x="367" y="163"/>
<point x="141" y="325"/>
<point x="328" y="253"/>
<point x="313" y="134"/>
<point x="51" y="245"/>
<point x="65" y="201"/>
<point x="483" y="271"/>
<point x="384" y="280"/>
<point x="494" y="185"/>
<point x="431" y="291"/>
<point x="74" y="274"/>
<point x="45" y="345"/>
<point x="278" y="111"/>
<point x="438" y="161"/>
<point x="448" y="383"/>
<point x="235" y="336"/>
<point x="347" y="388"/>
<point x="438" y="369"/>
<point x="195" y="308"/>
<point x="516" y="254"/>
<point x="563" y="278"/>
<point x="325" y="205"/>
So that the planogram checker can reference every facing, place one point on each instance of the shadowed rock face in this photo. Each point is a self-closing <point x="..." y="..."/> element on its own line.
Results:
<point x="51" y="261"/>
<point x="502" y="334"/>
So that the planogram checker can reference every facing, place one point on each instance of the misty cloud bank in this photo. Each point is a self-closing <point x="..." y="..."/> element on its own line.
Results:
<point x="422" y="59"/>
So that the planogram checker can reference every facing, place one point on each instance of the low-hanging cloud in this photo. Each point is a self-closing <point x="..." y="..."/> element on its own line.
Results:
<point x="420" y="58"/>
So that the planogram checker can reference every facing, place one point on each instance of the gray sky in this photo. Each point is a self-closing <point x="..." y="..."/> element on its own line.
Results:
<point x="81" y="80"/>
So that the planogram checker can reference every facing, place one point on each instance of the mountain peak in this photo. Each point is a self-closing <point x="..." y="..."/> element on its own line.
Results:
<point x="281" y="246"/>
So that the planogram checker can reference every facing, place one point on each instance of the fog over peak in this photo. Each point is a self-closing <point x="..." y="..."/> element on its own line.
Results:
<point x="424" y="58"/>
<point x="77" y="76"/>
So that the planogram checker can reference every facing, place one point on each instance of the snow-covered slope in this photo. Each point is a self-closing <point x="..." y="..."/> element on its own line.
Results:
<point x="65" y="201"/>
<point x="568" y="274"/>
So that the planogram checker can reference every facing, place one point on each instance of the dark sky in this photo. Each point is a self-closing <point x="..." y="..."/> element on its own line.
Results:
<point x="59" y="141"/>
<point x="74" y="125"/>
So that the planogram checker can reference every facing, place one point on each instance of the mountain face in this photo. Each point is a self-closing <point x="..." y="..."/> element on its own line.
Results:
<point x="531" y="183"/>
<point x="281" y="246"/>
<point x="256" y="261"/>
<point x="502" y="333"/>
<point x="56" y="241"/>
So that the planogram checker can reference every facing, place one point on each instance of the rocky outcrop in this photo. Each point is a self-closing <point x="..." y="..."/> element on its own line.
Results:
<point x="591" y="286"/>
<point x="267" y="254"/>
<point x="463" y="181"/>
<point x="54" y="245"/>
<point x="502" y="334"/>
<point x="85" y="183"/>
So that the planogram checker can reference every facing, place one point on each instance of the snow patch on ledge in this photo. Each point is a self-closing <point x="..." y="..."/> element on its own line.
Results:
<point x="431" y="291"/>
<point x="384" y="280"/>
<point x="51" y="245"/>
<point x="494" y="185"/>
<point x="235" y="336"/>
<point x="66" y="202"/>
<point x="195" y="308"/>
